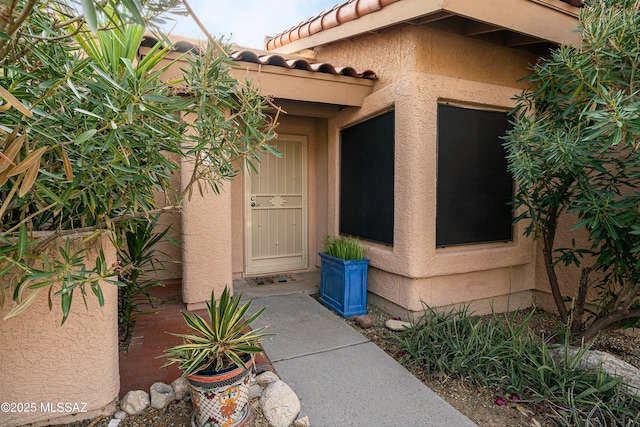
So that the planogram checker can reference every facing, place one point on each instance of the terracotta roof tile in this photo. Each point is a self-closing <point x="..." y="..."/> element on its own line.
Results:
<point x="299" y="64"/>
<point x="338" y="15"/>
<point x="247" y="55"/>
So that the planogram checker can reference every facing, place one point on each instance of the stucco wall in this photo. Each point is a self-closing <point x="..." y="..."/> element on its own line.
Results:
<point x="169" y="254"/>
<point x="44" y="364"/>
<point x="315" y="129"/>
<point x="419" y="67"/>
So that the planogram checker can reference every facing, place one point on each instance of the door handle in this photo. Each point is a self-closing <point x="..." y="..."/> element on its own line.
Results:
<point x="253" y="205"/>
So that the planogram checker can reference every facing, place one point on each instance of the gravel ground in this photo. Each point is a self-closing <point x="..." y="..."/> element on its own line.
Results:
<point x="177" y="414"/>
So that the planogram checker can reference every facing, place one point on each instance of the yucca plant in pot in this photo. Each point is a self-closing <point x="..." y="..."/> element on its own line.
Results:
<point x="217" y="358"/>
<point x="343" y="276"/>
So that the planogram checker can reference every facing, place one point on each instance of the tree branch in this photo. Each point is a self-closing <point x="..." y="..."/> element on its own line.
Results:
<point x="15" y="25"/>
<point x="607" y="321"/>
<point x="578" y="310"/>
<point x="60" y="233"/>
<point x="547" y="252"/>
<point x="203" y="28"/>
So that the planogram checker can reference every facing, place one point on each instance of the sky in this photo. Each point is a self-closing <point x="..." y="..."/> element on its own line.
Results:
<point x="247" y="22"/>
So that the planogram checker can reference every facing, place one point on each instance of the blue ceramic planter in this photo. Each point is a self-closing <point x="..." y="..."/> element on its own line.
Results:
<point x="343" y="285"/>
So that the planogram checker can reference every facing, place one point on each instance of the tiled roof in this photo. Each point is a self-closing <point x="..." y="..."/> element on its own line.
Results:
<point x="338" y="15"/>
<point x="299" y="64"/>
<point x="257" y="57"/>
<point x="341" y="13"/>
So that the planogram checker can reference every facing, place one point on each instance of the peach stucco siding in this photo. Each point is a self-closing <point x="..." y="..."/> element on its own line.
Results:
<point x="418" y="67"/>
<point x="43" y="363"/>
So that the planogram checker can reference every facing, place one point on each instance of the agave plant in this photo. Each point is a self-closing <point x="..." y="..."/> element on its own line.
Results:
<point x="222" y="342"/>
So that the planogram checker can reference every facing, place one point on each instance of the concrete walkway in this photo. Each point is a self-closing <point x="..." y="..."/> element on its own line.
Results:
<point x="341" y="378"/>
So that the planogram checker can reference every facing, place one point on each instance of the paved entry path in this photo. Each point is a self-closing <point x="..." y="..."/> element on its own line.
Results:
<point x="341" y="378"/>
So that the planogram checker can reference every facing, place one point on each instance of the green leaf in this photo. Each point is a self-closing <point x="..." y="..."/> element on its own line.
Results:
<point x="85" y="136"/>
<point x="90" y="16"/>
<point x="81" y="110"/>
<point x="134" y="7"/>
<point x="65" y="303"/>
<point x="22" y="240"/>
<point x="97" y="290"/>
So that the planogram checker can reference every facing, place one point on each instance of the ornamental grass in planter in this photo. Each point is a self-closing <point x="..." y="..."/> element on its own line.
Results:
<point x="216" y="359"/>
<point x="343" y="276"/>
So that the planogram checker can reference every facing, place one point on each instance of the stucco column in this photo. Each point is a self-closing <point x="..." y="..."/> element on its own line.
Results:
<point x="52" y="373"/>
<point x="206" y="243"/>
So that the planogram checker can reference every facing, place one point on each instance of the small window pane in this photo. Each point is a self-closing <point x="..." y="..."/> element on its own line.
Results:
<point x="366" y="179"/>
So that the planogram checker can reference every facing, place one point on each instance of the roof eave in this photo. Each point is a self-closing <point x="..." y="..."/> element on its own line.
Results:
<point x="301" y="85"/>
<point x="520" y="16"/>
<point x="286" y="83"/>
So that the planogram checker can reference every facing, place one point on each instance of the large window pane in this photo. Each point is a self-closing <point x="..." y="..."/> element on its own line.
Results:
<point x="474" y="185"/>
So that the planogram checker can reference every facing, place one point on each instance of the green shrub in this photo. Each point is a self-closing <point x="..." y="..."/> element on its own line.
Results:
<point x="137" y="259"/>
<point x="501" y="354"/>
<point x="345" y="247"/>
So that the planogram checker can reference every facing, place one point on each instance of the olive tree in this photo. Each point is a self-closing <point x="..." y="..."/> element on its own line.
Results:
<point x="574" y="155"/>
<point x="90" y="133"/>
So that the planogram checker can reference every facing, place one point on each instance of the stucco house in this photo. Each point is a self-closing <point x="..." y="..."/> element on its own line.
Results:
<point x="401" y="147"/>
<point x="395" y="110"/>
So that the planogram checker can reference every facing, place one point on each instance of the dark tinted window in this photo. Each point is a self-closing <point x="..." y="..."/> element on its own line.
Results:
<point x="366" y="179"/>
<point x="474" y="185"/>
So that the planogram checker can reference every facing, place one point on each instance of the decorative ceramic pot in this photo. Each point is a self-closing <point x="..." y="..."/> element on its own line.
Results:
<point x="221" y="398"/>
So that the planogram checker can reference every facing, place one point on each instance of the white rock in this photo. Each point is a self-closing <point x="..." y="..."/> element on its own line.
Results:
<point x="280" y="404"/>
<point x="610" y="364"/>
<point x="161" y="395"/>
<point x="180" y="387"/>
<point x="397" y="325"/>
<point x="266" y="378"/>
<point x="120" y="415"/>
<point x="255" y="391"/>
<point x="302" y="421"/>
<point x="135" y="402"/>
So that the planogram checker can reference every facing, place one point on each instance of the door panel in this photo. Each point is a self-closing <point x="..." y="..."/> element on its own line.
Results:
<point x="276" y="209"/>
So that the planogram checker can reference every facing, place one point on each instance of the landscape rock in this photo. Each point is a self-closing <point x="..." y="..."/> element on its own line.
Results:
<point x="302" y="421"/>
<point x="180" y="387"/>
<point x="280" y="404"/>
<point x="365" y="321"/>
<point x="255" y="391"/>
<point x="397" y="325"/>
<point x="120" y="415"/>
<point x="610" y="364"/>
<point x="161" y="395"/>
<point x="134" y="402"/>
<point x="266" y="378"/>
